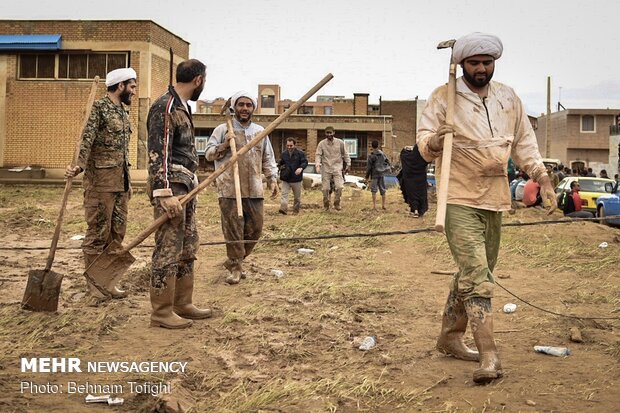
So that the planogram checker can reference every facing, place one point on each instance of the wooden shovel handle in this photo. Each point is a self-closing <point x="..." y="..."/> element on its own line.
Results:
<point x="233" y="151"/>
<point x="255" y="141"/>
<point x="446" y="158"/>
<point x="65" y="194"/>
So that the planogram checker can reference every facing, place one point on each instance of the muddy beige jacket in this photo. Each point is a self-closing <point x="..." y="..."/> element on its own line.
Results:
<point x="487" y="132"/>
<point x="259" y="159"/>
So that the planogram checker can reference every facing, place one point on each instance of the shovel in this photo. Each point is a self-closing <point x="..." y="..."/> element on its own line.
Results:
<point x="43" y="287"/>
<point x="115" y="260"/>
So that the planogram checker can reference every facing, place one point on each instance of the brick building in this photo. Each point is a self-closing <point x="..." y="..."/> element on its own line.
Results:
<point x="580" y="138"/>
<point x="393" y="123"/>
<point x="44" y="87"/>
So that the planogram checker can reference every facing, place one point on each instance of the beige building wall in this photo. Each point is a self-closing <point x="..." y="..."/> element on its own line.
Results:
<point x="569" y="143"/>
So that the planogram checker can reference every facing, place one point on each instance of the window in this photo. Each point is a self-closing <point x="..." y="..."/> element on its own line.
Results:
<point x="329" y="110"/>
<point x="305" y="110"/>
<point x="268" y="101"/>
<point x="351" y="147"/>
<point x="588" y="123"/>
<point x="37" y="66"/>
<point x="70" y="65"/>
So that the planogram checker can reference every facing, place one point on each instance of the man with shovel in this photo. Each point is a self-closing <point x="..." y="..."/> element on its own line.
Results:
<point x="260" y="159"/>
<point x="104" y="159"/>
<point x="172" y="165"/>
<point x="490" y="125"/>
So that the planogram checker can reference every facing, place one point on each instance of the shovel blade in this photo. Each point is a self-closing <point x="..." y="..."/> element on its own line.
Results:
<point x="105" y="271"/>
<point x="42" y="291"/>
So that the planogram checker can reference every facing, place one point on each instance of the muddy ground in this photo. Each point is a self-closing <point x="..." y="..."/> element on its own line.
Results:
<point x="285" y="344"/>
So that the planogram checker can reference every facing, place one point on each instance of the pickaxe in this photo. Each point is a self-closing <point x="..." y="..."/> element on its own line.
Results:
<point x="446" y="158"/>
<point x="230" y="135"/>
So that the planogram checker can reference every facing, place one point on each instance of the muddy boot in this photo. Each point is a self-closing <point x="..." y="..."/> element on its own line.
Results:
<point x="236" y="273"/>
<point x="183" y="295"/>
<point x="453" y="326"/>
<point x="481" y="321"/>
<point x="337" y="200"/>
<point x="162" y="301"/>
<point x="326" y="200"/>
<point x="109" y="285"/>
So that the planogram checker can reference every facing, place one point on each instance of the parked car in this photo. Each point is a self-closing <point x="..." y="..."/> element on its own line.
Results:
<point x="609" y="204"/>
<point x="591" y="190"/>
<point x="313" y="179"/>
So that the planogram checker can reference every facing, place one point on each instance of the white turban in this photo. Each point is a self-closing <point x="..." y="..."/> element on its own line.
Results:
<point x="477" y="43"/>
<point x="120" y="75"/>
<point x="241" y="94"/>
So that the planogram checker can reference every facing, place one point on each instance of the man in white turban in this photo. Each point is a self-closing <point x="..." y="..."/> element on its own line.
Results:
<point x="104" y="159"/>
<point x="490" y="125"/>
<point x="260" y="159"/>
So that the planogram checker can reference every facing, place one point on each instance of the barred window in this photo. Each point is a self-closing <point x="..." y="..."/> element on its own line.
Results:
<point x="68" y="65"/>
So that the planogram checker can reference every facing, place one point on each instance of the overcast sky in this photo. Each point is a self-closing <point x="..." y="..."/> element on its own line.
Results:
<point x="385" y="48"/>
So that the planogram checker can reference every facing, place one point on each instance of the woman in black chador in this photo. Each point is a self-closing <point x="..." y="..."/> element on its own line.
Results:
<point x="412" y="180"/>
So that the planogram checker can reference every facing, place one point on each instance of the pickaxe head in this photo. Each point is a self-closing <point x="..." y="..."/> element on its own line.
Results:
<point x="446" y="44"/>
<point x="226" y="109"/>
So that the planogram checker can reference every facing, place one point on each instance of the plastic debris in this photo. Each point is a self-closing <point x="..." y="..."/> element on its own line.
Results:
<point x="116" y="401"/>
<point x="77" y="237"/>
<point x="97" y="399"/>
<point x="105" y="398"/>
<point x="553" y="351"/>
<point x="603" y="245"/>
<point x="368" y="343"/>
<point x="277" y="273"/>
<point x="510" y="308"/>
<point x="305" y="251"/>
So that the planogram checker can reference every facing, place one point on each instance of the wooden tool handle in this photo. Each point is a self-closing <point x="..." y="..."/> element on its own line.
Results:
<point x="65" y="194"/>
<point x="233" y="151"/>
<point x="270" y="128"/>
<point x="446" y="158"/>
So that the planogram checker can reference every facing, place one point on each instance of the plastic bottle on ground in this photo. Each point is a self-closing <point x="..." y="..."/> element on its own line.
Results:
<point x="554" y="351"/>
<point x="368" y="343"/>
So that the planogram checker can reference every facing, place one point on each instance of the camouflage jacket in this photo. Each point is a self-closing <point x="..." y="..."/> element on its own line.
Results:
<point x="104" y="151"/>
<point x="171" y="146"/>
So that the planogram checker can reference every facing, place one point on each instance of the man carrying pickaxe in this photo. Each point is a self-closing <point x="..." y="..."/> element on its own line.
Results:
<point x="483" y="123"/>
<point x="249" y="224"/>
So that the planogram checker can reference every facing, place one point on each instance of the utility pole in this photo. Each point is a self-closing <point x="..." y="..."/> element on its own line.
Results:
<point x="548" y="120"/>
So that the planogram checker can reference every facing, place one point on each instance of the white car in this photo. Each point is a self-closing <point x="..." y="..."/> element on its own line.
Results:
<point x="313" y="180"/>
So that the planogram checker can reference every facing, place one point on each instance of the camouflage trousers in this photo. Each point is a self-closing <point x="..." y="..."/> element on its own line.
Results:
<point x="106" y="218"/>
<point x="176" y="241"/>
<point x="473" y="236"/>
<point x="248" y="227"/>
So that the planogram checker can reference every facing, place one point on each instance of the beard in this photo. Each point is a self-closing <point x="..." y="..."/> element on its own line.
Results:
<point x="125" y="97"/>
<point x="243" y="117"/>
<point x="197" y="93"/>
<point x="472" y="80"/>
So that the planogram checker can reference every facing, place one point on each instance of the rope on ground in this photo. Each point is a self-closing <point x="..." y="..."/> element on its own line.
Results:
<point x="391" y="233"/>
<point x="335" y="236"/>
<point x="553" y="312"/>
